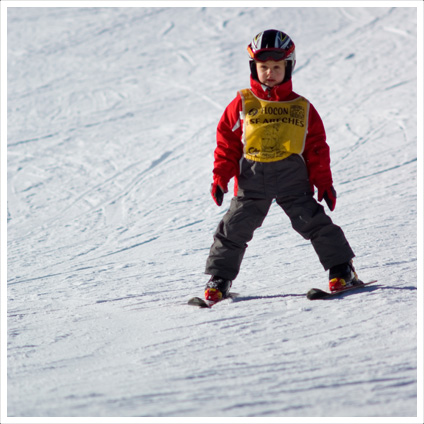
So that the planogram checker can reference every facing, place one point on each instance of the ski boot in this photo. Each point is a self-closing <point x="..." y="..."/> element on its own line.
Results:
<point x="343" y="276"/>
<point x="217" y="288"/>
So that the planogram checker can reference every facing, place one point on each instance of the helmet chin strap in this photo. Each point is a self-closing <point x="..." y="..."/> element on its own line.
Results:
<point x="253" y="70"/>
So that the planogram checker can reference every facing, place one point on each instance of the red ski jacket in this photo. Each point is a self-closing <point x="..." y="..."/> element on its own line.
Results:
<point x="229" y="150"/>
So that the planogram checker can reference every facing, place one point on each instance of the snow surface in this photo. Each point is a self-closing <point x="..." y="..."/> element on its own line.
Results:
<point x="111" y="130"/>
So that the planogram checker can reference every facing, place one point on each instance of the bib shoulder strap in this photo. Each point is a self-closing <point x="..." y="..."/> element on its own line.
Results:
<point x="246" y="93"/>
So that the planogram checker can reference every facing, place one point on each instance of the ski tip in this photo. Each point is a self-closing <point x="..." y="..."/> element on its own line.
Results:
<point x="316" y="294"/>
<point x="202" y="303"/>
<point x="197" y="301"/>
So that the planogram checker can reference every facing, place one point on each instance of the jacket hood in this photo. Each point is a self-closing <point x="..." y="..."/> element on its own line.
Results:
<point x="281" y="92"/>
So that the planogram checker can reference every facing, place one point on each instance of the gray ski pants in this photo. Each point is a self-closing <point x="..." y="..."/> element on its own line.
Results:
<point x="246" y="215"/>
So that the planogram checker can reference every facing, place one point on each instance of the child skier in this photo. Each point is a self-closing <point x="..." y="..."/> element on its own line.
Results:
<point x="273" y="142"/>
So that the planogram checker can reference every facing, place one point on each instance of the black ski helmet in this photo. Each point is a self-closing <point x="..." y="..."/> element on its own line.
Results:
<point x="272" y="45"/>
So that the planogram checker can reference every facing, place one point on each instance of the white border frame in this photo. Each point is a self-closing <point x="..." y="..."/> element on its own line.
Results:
<point x="5" y="4"/>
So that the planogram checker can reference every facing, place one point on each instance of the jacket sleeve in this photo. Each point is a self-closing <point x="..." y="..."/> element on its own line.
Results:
<point x="317" y="152"/>
<point x="229" y="149"/>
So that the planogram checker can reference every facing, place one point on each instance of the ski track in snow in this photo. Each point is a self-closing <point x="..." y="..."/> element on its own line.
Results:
<point x="110" y="148"/>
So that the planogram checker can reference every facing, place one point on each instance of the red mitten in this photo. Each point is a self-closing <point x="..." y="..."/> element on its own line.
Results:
<point x="329" y="195"/>
<point x="217" y="193"/>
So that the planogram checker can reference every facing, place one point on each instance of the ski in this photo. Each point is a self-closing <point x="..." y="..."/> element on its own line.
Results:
<point x="202" y="303"/>
<point x="314" y="293"/>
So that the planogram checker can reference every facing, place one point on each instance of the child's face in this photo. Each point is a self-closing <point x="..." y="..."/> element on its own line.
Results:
<point x="271" y="73"/>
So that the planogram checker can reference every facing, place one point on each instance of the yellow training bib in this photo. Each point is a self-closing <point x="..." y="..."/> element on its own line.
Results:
<point x="273" y="131"/>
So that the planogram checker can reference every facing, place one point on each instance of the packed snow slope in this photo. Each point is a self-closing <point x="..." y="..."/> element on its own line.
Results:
<point x="111" y="130"/>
